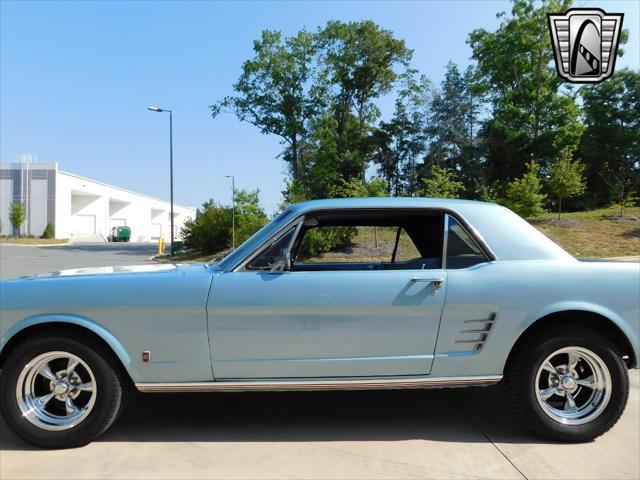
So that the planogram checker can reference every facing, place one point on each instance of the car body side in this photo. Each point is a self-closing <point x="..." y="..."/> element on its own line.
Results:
<point x="164" y="310"/>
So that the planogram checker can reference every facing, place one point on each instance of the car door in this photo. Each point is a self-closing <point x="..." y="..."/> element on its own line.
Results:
<point x="336" y="320"/>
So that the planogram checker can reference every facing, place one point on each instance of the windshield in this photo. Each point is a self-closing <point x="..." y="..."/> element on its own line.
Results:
<point x="249" y="244"/>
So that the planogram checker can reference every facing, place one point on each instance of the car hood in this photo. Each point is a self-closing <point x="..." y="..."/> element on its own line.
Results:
<point x="115" y="270"/>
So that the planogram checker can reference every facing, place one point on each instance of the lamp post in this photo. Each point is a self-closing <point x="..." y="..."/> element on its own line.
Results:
<point x="157" y="109"/>
<point x="233" y="210"/>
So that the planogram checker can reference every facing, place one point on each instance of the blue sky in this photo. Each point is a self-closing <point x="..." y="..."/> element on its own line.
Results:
<point x="76" y="78"/>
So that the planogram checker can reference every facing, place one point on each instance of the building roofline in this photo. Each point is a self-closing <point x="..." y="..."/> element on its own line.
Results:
<point x="30" y="165"/>
<point x="123" y="189"/>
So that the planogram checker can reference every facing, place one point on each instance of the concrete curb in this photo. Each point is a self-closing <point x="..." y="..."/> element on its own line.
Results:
<point x="2" y="244"/>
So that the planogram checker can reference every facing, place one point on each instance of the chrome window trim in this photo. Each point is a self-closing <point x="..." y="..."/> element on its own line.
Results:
<point x="273" y="239"/>
<point x="321" y="384"/>
<point x="486" y="250"/>
<point x="445" y="241"/>
<point x="489" y="256"/>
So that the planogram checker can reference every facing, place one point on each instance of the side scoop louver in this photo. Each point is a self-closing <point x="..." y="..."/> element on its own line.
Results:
<point x="482" y="334"/>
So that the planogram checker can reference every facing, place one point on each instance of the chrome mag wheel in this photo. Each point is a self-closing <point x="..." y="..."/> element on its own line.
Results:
<point x="573" y="386"/>
<point x="56" y="391"/>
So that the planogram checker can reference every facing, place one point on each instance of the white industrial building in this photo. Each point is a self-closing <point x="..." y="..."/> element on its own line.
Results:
<point x="81" y="209"/>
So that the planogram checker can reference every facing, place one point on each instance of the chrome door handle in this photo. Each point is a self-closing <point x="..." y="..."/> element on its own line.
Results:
<point x="437" y="282"/>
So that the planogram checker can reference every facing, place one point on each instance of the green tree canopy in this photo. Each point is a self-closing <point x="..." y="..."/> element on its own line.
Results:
<point x="16" y="215"/>
<point x="524" y="195"/>
<point x="565" y="178"/>
<point x="450" y="127"/>
<point x="278" y="91"/>
<point x="441" y="184"/>
<point x="531" y="117"/>
<point x="610" y="146"/>
<point x="400" y="143"/>
<point x="211" y="229"/>
<point x="319" y="91"/>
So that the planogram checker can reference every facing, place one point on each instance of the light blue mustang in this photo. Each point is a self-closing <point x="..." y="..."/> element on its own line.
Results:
<point x="416" y="293"/>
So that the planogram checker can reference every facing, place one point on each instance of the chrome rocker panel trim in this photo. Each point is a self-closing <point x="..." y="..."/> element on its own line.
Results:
<point x="310" y="385"/>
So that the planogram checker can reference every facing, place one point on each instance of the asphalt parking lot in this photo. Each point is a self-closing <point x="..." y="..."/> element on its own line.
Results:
<point x="18" y="260"/>
<point x="460" y="433"/>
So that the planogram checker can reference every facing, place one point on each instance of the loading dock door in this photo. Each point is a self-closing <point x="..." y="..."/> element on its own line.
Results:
<point x="83" y="224"/>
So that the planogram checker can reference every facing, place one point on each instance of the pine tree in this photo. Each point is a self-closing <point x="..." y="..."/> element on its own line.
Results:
<point x="524" y="194"/>
<point x="441" y="184"/>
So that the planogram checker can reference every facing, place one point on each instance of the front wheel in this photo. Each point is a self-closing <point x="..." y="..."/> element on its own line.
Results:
<point x="59" y="392"/>
<point x="567" y="383"/>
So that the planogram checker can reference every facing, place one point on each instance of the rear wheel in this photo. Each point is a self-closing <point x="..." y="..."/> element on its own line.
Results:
<point x="567" y="383"/>
<point x="60" y="392"/>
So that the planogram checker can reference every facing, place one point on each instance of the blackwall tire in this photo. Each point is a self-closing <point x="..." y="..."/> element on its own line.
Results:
<point x="60" y="391"/>
<point x="567" y="384"/>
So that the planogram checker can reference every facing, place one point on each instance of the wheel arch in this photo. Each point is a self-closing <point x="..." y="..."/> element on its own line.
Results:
<point x="602" y="323"/>
<point x="63" y="324"/>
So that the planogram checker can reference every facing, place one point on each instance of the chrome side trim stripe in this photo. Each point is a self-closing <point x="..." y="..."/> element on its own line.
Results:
<point x="306" y="385"/>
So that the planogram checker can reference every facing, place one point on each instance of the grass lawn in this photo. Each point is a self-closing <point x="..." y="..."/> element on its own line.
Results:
<point x="34" y="241"/>
<point x="596" y="233"/>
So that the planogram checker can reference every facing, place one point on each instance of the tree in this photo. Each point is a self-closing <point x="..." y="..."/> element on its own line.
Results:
<point x="534" y="115"/>
<point x="278" y="91"/>
<point x="565" y="178"/>
<point x="610" y="146"/>
<point x="399" y="143"/>
<point x="451" y="124"/>
<point x="250" y="217"/>
<point x="358" y="61"/>
<point x="441" y="184"/>
<point x="524" y="195"/>
<point x="376" y="187"/>
<point x="16" y="216"/>
<point x="211" y="229"/>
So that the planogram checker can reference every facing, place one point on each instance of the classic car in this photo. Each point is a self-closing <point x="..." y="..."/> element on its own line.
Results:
<point x="374" y="293"/>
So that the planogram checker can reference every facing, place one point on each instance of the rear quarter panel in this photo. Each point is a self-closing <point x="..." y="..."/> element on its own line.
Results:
<point x="522" y="292"/>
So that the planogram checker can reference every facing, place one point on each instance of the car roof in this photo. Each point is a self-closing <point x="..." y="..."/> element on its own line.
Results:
<point x="388" y="202"/>
<point x="506" y="234"/>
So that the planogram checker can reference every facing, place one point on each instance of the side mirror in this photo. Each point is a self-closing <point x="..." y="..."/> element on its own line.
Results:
<point x="282" y="263"/>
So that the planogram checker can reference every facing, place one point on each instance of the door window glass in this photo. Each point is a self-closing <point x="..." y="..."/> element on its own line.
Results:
<point x="388" y="240"/>
<point x="462" y="250"/>
<point x="273" y="253"/>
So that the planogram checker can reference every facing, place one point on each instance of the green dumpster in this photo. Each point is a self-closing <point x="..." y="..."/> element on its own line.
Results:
<point x="121" y="234"/>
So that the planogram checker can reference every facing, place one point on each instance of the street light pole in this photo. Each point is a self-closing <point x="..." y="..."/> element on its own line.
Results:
<point x="171" y="175"/>
<point x="233" y="211"/>
<point x="157" y="109"/>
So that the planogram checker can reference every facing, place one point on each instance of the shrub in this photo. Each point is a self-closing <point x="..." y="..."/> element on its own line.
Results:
<point x="212" y="229"/>
<point x="48" y="231"/>
<point x="523" y="194"/>
<point x="320" y="240"/>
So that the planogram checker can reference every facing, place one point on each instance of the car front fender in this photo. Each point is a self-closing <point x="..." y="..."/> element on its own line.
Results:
<point x="78" y="320"/>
